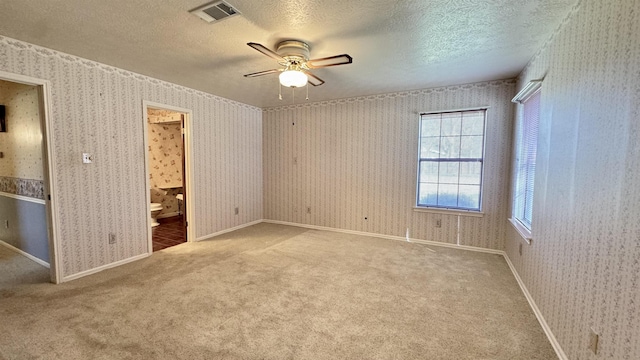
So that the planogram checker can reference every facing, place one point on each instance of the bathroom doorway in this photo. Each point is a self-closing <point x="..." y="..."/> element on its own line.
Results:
<point x="28" y="251"/>
<point x="167" y="161"/>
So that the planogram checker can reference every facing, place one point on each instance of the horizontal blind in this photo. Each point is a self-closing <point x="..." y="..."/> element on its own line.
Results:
<point x="527" y="159"/>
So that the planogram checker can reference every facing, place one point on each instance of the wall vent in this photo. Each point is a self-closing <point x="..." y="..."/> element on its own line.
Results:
<point x="215" y="11"/>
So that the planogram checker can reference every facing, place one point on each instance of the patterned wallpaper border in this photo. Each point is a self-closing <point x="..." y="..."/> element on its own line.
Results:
<point x="21" y="45"/>
<point x="25" y="187"/>
<point x="428" y="91"/>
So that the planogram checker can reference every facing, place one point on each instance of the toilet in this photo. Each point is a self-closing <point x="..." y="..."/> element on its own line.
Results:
<point x="156" y="208"/>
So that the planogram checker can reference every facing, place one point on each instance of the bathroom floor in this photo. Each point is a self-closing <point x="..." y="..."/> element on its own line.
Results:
<point x="170" y="232"/>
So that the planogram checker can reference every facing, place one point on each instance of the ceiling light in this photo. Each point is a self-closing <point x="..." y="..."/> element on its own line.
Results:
<point x="293" y="78"/>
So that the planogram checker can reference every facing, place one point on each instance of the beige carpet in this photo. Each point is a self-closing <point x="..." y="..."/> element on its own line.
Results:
<point x="279" y="292"/>
<point x="16" y="269"/>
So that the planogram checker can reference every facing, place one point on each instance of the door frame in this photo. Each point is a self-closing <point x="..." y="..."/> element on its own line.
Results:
<point x="49" y="171"/>
<point x="188" y="167"/>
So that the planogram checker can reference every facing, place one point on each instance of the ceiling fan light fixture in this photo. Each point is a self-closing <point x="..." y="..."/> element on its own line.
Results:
<point x="293" y="78"/>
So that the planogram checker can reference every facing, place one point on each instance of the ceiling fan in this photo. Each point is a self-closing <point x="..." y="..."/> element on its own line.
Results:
<point x="293" y="56"/>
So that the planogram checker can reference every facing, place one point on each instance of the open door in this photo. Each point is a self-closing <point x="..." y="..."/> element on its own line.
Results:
<point x="167" y="159"/>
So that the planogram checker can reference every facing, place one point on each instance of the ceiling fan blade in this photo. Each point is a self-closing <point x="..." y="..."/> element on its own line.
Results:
<point x="266" y="51"/>
<point x="330" y="61"/>
<point x="260" y="73"/>
<point x="314" y="80"/>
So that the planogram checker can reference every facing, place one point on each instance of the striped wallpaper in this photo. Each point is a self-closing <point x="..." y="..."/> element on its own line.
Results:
<point x="583" y="267"/>
<point x="97" y="109"/>
<point x="354" y="163"/>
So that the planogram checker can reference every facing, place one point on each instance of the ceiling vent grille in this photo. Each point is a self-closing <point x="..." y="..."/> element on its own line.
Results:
<point x="216" y="11"/>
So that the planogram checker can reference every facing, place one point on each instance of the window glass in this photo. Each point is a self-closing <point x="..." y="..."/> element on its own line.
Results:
<point x="451" y="159"/>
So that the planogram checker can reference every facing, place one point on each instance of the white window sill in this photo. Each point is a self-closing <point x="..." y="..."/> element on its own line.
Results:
<point x="523" y="231"/>
<point x="448" y="211"/>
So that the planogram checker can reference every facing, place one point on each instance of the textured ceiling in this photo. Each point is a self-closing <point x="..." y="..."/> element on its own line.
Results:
<point x="396" y="45"/>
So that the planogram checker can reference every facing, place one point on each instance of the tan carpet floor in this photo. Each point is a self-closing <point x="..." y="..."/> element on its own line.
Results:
<point x="279" y="292"/>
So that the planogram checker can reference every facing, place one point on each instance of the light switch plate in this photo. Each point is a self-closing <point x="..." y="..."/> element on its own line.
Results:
<point x="87" y="158"/>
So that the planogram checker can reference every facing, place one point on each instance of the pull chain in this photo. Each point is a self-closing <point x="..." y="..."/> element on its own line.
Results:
<point x="279" y="91"/>
<point x="307" y="90"/>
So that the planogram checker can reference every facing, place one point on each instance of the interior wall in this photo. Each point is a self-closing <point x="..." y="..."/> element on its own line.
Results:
<point x="98" y="109"/>
<point x="356" y="158"/>
<point x="22" y="143"/>
<point x="583" y="267"/>
<point x="23" y="222"/>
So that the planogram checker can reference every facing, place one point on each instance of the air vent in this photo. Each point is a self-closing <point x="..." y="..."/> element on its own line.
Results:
<point x="215" y="11"/>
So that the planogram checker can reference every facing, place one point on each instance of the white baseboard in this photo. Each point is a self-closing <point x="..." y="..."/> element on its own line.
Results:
<point x="104" y="267"/>
<point x="388" y="237"/>
<point x="456" y="246"/>
<point x="25" y="254"/>
<point x="229" y="230"/>
<point x="167" y="215"/>
<point x="545" y="327"/>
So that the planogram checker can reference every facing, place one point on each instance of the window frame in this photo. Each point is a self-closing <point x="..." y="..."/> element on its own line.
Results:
<point x="452" y="209"/>
<point x="532" y="88"/>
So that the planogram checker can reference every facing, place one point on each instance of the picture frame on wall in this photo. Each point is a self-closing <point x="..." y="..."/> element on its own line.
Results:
<point x="3" y="123"/>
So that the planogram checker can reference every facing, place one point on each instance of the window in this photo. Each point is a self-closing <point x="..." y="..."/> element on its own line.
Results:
<point x="527" y="141"/>
<point x="451" y="160"/>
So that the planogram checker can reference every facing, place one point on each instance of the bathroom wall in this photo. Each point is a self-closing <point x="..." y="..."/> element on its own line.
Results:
<point x="583" y="266"/>
<point x="98" y="109"/>
<point x="354" y="163"/>
<point x="22" y="209"/>
<point x="165" y="159"/>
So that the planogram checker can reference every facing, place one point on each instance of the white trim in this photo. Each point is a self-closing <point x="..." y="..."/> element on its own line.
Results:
<point x="478" y="213"/>
<point x="23" y="79"/>
<point x="188" y="166"/>
<point x="167" y="215"/>
<point x="25" y="254"/>
<point x="206" y="237"/>
<point x="104" y="267"/>
<point x="389" y="237"/>
<point x="529" y="89"/>
<point x="448" y="211"/>
<point x="545" y="327"/>
<point x="23" y="198"/>
<point x="523" y="231"/>
<point x="50" y="184"/>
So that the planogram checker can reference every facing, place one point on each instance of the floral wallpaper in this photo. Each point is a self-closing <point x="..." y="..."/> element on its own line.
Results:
<point x="165" y="159"/>
<point x="21" y="168"/>
<point x="583" y="266"/>
<point x="25" y="187"/>
<point x="98" y="109"/>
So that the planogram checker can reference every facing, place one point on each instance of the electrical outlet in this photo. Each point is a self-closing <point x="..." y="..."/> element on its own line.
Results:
<point x="112" y="238"/>
<point x="87" y="158"/>
<point x="237" y="211"/>
<point x="593" y="341"/>
<point x="438" y="223"/>
<point x="308" y="209"/>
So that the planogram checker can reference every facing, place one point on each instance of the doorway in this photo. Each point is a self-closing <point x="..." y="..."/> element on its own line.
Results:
<point x="27" y="211"/>
<point x="167" y="154"/>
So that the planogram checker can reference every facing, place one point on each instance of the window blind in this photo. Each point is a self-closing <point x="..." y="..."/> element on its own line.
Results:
<point x="527" y="159"/>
